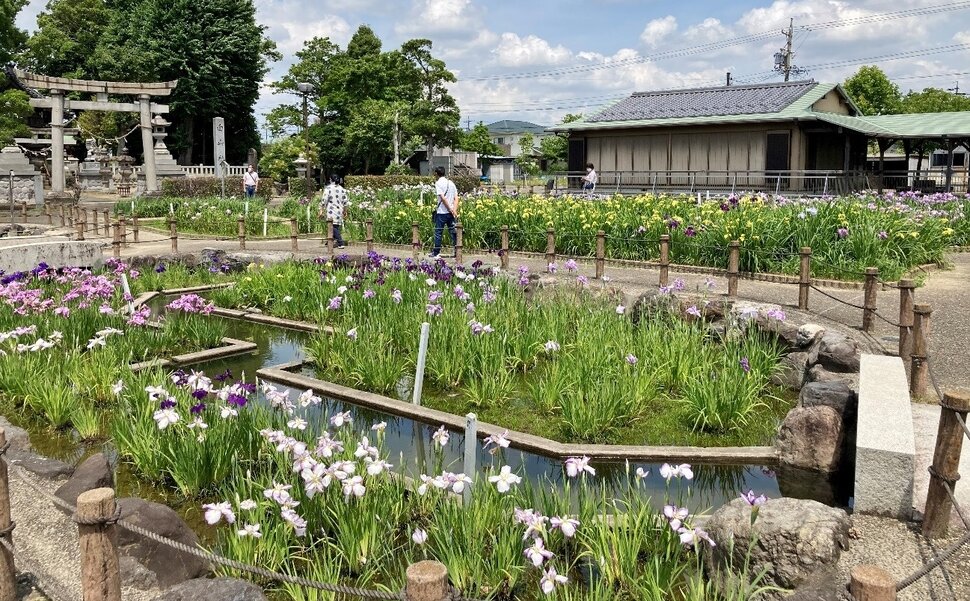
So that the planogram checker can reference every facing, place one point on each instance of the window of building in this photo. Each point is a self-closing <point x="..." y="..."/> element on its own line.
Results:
<point x="500" y="140"/>
<point x="940" y="158"/>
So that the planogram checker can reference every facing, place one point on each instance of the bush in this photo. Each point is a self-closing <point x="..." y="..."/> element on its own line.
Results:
<point x="464" y="183"/>
<point x="297" y="187"/>
<point x="197" y="187"/>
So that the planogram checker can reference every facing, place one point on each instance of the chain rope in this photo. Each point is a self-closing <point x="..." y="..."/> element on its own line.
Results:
<point x="835" y="298"/>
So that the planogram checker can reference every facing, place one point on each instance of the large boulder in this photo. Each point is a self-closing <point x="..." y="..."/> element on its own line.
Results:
<point x="45" y="467"/>
<point x="838" y="353"/>
<point x="791" y="539"/>
<point x="791" y="372"/>
<point x="213" y="589"/>
<point x="808" y="334"/>
<point x="94" y="472"/>
<point x="17" y="437"/>
<point x="812" y="438"/>
<point x="170" y="566"/>
<point x="836" y="395"/>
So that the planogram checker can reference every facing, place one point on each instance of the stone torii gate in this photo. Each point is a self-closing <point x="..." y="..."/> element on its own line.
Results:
<point x="57" y="86"/>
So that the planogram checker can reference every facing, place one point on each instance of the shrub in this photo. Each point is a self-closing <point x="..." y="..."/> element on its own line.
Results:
<point x="297" y="186"/>
<point x="464" y="183"/>
<point x="196" y="187"/>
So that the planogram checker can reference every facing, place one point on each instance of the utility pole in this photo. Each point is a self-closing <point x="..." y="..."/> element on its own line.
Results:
<point x="304" y="89"/>
<point x="785" y="56"/>
<point x="956" y="90"/>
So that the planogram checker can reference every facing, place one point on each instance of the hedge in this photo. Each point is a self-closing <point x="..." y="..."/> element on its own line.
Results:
<point x="464" y="183"/>
<point x="196" y="187"/>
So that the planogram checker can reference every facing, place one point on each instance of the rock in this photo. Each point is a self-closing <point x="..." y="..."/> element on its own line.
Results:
<point x="791" y="539"/>
<point x="812" y="438"/>
<point x="833" y="490"/>
<point x="817" y="373"/>
<point x="824" y="584"/>
<point x="170" y="566"/>
<point x="838" y="353"/>
<point x="213" y="589"/>
<point x="808" y="334"/>
<point x="93" y="473"/>
<point x="135" y="575"/>
<point x="791" y="371"/>
<point x="45" y="467"/>
<point x="836" y="394"/>
<point x="17" y="437"/>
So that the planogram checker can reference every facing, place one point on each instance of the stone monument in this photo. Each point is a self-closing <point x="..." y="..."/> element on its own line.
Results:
<point x="89" y="171"/>
<point x="28" y="183"/>
<point x="165" y="165"/>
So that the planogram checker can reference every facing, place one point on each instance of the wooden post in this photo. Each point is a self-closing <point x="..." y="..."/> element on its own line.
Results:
<point x="906" y="295"/>
<point x="504" y="251"/>
<point x="173" y="234"/>
<point x="871" y="583"/>
<point x="330" y="237"/>
<point x="79" y="228"/>
<point x="116" y="240"/>
<point x="459" y="243"/>
<point x="294" y="235"/>
<point x="134" y="228"/>
<point x="415" y="240"/>
<point x="94" y="221"/>
<point x="734" y="263"/>
<point x="946" y="463"/>
<point x="550" y="247"/>
<point x="70" y="216"/>
<point x="8" y="572"/>
<point x="919" y="372"/>
<point x="63" y="215"/>
<point x="804" y="277"/>
<point x="427" y="581"/>
<point x="107" y="221"/>
<point x="124" y="231"/>
<point x="664" y="259"/>
<point x="369" y="234"/>
<point x="100" y="572"/>
<point x="869" y="313"/>
<point x="241" y="232"/>
<point x="50" y="218"/>
<point x="23" y="211"/>
<point x="600" y="253"/>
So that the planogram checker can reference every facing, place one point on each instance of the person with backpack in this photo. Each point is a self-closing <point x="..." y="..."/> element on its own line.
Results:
<point x="446" y="210"/>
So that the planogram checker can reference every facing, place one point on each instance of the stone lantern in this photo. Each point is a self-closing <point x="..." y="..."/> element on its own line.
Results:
<point x="165" y="165"/>
<point x="125" y="175"/>
<point x="301" y="169"/>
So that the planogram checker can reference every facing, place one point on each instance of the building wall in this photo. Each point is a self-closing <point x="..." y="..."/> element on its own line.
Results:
<point x="510" y="142"/>
<point x="833" y="102"/>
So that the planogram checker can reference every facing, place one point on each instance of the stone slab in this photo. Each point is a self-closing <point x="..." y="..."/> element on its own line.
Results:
<point x="24" y="257"/>
<point x="885" y="443"/>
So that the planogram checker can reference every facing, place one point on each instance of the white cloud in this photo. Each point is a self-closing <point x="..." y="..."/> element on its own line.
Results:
<point x="962" y="37"/>
<point x="658" y="30"/>
<point x="296" y="32"/>
<point x="441" y="17"/>
<point x="708" y="30"/>
<point x="515" y="51"/>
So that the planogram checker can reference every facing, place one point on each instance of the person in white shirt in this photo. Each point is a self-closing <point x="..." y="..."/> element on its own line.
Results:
<point x="590" y="179"/>
<point x="334" y="206"/>
<point x="446" y="210"/>
<point x="250" y="182"/>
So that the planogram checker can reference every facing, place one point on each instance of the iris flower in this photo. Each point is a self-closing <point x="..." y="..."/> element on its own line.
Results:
<point x="441" y="436"/>
<point x="214" y="512"/>
<point x="538" y="553"/>
<point x="575" y="466"/>
<point x="505" y="479"/>
<point x="550" y="579"/>
<point x="566" y="525"/>
<point x="251" y="530"/>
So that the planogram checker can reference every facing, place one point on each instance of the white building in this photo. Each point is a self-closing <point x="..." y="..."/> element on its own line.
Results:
<point x="508" y="135"/>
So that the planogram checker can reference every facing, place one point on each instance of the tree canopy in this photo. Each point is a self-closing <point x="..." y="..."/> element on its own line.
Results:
<point x="477" y="139"/>
<point x="873" y="92"/>
<point x="14" y="110"/>
<point x="12" y="38"/>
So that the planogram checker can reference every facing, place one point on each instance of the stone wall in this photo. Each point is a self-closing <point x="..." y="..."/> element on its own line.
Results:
<point x="24" y="189"/>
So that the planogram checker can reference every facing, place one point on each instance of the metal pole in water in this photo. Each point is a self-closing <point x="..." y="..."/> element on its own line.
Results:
<point x="422" y="358"/>
<point x="471" y="453"/>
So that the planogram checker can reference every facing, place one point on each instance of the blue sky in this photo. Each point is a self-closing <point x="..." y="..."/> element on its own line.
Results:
<point x="536" y="60"/>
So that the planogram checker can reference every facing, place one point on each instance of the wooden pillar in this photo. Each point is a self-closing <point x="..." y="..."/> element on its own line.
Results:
<point x="946" y="463"/>
<point x="415" y="240"/>
<point x="906" y="295"/>
<point x="504" y="251"/>
<point x="124" y="230"/>
<point x="116" y="240"/>
<point x="23" y="211"/>
<point x="369" y="235"/>
<point x="600" y="253"/>
<point x="459" y="243"/>
<point x="148" y="144"/>
<point x="173" y="235"/>
<point x="294" y="235"/>
<point x="50" y="218"/>
<point x="871" y="583"/>
<point x="134" y="228"/>
<point x="79" y="227"/>
<point x="100" y="572"/>
<point x="804" y="276"/>
<point x="63" y="215"/>
<point x="427" y="581"/>
<point x="330" y="237"/>
<point x="550" y="247"/>
<point x="734" y="261"/>
<point x="57" y="142"/>
<point x="664" y="259"/>
<point x="241" y="232"/>
<point x="8" y="572"/>
<point x="871" y="287"/>
<point x="919" y="372"/>
<point x="107" y="222"/>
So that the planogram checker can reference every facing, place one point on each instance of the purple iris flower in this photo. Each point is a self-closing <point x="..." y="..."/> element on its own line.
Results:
<point x="745" y="364"/>
<point x="199" y="393"/>
<point x="224" y="376"/>
<point x="160" y="268"/>
<point x="197" y="409"/>
<point x="237" y="399"/>
<point x="167" y="403"/>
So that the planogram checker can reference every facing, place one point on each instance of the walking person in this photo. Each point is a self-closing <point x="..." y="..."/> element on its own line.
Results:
<point x="333" y="205"/>
<point x="250" y="182"/>
<point x="446" y="211"/>
<point x="589" y="180"/>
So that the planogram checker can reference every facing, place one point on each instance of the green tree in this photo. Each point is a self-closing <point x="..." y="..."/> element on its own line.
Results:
<point x="278" y="158"/>
<point x="12" y="38"/>
<point x="934" y="100"/>
<point x="14" y="110"/>
<point x="67" y="31"/>
<point x="526" y="160"/>
<point x="555" y="148"/>
<point x="477" y="139"/>
<point x="872" y="92"/>
<point x="367" y="138"/>
<point x="435" y="116"/>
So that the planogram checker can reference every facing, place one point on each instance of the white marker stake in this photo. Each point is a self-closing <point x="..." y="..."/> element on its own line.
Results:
<point x="171" y="209"/>
<point x="246" y="209"/>
<point x="133" y="208"/>
<point x="422" y="358"/>
<point x="127" y="290"/>
<point x="265" y="218"/>
<point x="471" y="453"/>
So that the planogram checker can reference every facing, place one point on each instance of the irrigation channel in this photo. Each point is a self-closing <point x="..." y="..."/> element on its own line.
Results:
<point x="408" y="443"/>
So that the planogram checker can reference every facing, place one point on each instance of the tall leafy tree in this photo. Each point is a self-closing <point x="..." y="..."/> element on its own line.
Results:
<point x="12" y="38"/>
<point x="67" y="31"/>
<point x="873" y="92"/>
<point x="477" y="139"/>
<point x="934" y="100"/>
<point x="14" y="110"/>
<point x="435" y="115"/>
<point x="555" y="148"/>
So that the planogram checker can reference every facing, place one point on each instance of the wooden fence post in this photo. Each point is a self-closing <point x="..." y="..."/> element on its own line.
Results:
<point x="600" y="253"/>
<point x="550" y="247"/>
<point x="173" y="234"/>
<point x="94" y="222"/>
<point x="946" y="463"/>
<point x="427" y="581"/>
<point x="124" y="231"/>
<point x="804" y="277"/>
<point x="919" y="372"/>
<point x="906" y="295"/>
<point x="664" y="259"/>
<point x="79" y="227"/>
<point x="415" y="240"/>
<point x="329" y="240"/>
<point x="869" y="313"/>
<point x="134" y="228"/>
<point x="47" y="212"/>
<point x="459" y="243"/>
<point x="294" y="235"/>
<point x="734" y="263"/>
<point x="23" y="211"/>
<point x="241" y="231"/>
<point x="107" y="221"/>
<point x="871" y="583"/>
<point x="100" y="572"/>
<point x="63" y="215"/>
<point x="116" y="240"/>
<point x="369" y="235"/>
<point x="8" y="572"/>
<point x="504" y="250"/>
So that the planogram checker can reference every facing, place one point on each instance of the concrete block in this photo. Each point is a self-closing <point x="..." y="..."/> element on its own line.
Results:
<point x="16" y="256"/>
<point x="885" y="444"/>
